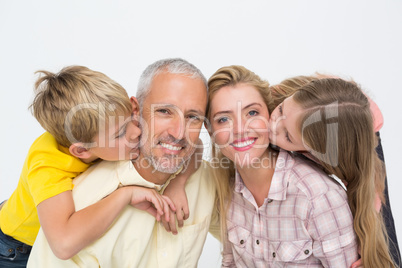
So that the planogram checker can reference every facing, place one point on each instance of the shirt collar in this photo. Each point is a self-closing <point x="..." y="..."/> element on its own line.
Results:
<point x="280" y="179"/>
<point x="128" y="175"/>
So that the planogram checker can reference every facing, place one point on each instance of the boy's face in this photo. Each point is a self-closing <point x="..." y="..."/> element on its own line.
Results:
<point x="118" y="139"/>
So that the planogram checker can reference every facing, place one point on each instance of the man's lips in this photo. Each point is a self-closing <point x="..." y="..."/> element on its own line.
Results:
<point x="171" y="147"/>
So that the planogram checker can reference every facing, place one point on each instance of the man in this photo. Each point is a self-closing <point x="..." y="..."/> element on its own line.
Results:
<point x="172" y="94"/>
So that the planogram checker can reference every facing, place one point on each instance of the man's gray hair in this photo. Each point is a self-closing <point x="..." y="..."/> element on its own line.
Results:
<point x="173" y="66"/>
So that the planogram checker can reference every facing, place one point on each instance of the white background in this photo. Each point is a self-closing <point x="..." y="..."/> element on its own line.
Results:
<point x="276" y="39"/>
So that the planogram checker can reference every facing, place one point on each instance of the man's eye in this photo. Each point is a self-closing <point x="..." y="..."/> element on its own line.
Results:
<point x="163" y="111"/>
<point x="194" y="117"/>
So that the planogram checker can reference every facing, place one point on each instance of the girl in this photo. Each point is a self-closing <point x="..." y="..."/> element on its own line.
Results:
<point x="349" y="97"/>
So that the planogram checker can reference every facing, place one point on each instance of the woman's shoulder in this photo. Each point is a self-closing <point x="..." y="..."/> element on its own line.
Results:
<point x="309" y="178"/>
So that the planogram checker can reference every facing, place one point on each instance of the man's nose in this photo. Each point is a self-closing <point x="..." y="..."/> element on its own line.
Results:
<point x="177" y="128"/>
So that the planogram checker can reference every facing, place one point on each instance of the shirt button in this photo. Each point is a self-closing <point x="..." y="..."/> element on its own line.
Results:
<point x="258" y="242"/>
<point x="274" y="254"/>
<point x="306" y="252"/>
<point x="270" y="200"/>
<point x="242" y="241"/>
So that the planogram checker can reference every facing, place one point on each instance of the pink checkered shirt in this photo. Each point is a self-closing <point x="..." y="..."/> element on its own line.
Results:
<point x="304" y="222"/>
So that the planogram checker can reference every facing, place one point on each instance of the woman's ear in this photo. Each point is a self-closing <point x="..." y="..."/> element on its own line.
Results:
<point x="78" y="150"/>
<point x="135" y="106"/>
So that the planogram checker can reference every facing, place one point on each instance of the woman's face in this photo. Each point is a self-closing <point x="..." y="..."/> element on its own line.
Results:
<point x="239" y="121"/>
<point x="284" y="126"/>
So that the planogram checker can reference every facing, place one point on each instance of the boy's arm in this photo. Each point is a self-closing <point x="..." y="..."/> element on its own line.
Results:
<point x="175" y="191"/>
<point x="68" y="231"/>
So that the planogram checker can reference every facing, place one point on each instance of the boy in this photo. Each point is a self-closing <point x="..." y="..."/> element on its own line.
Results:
<point x="87" y="117"/>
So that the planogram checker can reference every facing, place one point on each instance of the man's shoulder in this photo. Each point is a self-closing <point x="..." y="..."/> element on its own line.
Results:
<point x="203" y="174"/>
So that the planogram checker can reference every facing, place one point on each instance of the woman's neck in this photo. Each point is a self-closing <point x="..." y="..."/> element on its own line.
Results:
<point x="257" y="178"/>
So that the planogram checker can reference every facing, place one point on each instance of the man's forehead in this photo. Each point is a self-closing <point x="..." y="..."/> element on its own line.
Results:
<point x="177" y="90"/>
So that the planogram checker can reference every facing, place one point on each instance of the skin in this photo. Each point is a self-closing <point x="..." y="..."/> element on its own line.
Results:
<point x="240" y="130"/>
<point x="171" y="126"/>
<point x="283" y="126"/>
<point x="68" y="231"/>
<point x="240" y="127"/>
<point x="171" y="130"/>
<point x="120" y="141"/>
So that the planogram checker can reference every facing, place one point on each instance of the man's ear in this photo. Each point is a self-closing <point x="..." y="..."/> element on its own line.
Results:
<point x="78" y="150"/>
<point x="135" y="106"/>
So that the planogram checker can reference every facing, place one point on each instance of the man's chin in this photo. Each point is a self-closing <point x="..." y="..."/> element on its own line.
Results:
<point x="167" y="164"/>
<point x="167" y="169"/>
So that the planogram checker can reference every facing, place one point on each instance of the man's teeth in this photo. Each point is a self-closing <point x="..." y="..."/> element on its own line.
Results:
<point x="170" y="147"/>
<point x="243" y="144"/>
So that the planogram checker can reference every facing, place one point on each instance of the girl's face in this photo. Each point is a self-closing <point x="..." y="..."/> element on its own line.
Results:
<point x="284" y="126"/>
<point x="239" y="121"/>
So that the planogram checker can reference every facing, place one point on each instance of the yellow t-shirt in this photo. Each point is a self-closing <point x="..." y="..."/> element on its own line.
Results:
<point x="48" y="171"/>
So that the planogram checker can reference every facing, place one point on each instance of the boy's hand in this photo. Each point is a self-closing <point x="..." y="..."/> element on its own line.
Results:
<point x="179" y="198"/>
<point x="152" y="202"/>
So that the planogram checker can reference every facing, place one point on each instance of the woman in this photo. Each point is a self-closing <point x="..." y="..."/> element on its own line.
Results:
<point x="279" y="209"/>
<point x="267" y="188"/>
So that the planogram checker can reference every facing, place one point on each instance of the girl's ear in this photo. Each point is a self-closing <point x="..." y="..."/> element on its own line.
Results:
<point x="135" y="106"/>
<point x="78" y="150"/>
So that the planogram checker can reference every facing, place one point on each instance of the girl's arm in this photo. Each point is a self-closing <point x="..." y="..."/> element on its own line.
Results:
<point x="68" y="231"/>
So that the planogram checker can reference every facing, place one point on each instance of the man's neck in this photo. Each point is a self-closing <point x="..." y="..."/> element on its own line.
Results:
<point x="148" y="172"/>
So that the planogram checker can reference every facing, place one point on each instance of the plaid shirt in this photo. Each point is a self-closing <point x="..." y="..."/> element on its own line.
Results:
<point x="304" y="222"/>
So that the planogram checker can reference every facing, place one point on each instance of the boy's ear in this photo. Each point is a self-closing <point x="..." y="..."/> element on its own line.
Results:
<point x="78" y="150"/>
<point x="135" y="105"/>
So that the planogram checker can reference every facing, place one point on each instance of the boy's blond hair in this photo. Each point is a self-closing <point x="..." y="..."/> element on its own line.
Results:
<point x="75" y="103"/>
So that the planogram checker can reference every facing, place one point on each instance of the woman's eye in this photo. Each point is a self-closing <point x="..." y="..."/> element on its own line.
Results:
<point x="280" y="109"/>
<point x="253" y="113"/>
<point x="222" y="120"/>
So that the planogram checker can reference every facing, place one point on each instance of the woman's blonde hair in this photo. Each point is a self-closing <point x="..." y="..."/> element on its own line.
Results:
<point x="71" y="104"/>
<point x="337" y="128"/>
<point x="224" y="174"/>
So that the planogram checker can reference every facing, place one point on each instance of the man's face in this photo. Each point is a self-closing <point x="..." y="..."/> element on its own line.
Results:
<point x="173" y="113"/>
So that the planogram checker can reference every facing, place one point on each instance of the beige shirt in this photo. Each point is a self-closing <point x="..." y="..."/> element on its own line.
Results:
<point x="136" y="239"/>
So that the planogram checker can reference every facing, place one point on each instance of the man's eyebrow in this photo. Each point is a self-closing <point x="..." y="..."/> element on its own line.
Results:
<point x="164" y="105"/>
<point x="195" y="111"/>
<point x="171" y="106"/>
